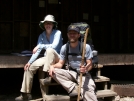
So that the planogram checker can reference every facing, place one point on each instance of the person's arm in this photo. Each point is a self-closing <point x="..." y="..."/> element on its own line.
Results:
<point x="88" y="55"/>
<point x="56" y="41"/>
<point x="34" y="56"/>
<point x="40" y="40"/>
<point x="32" y="59"/>
<point x="36" y="50"/>
<point x="89" y="65"/>
<point x="57" y="65"/>
<point x="87" y="68"/>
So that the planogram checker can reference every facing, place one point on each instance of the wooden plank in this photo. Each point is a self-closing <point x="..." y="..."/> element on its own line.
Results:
<point x="39" y="99"/>
<point x="56" y="98"/>
<point x="100" y="66"/>
<point x="100" y="94"/>
<point x="116" y="59"/>
<point x="124" y="89"/>
<point x="10" y="61"/>
<point x="105" y="93"/>
<point x="101" y="79"/>
<point x="97" y="79"/>
<point x="97" y="66"/>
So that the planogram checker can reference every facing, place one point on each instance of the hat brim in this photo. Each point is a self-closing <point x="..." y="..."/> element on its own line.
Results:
<point x="41" y="24"/>
<point x="72" y="29"/>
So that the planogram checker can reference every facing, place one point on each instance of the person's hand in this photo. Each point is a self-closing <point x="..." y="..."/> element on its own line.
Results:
<point x="27" y="66"/>
<point x="35" y="49"/>
<point x="51" y="71"/>
<point x="83" y="69"/>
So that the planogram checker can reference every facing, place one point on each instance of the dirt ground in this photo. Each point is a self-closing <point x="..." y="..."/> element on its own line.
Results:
<point x="10" y="84"/>
<point x="125" y="99"/>
<point x="11" y="97"/>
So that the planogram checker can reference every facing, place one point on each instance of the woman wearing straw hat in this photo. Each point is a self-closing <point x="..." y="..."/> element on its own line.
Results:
<point x="51" y="41"/>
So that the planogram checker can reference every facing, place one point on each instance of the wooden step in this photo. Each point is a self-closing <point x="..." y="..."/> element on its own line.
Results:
<point x="39" y="99"/>
<point x="101" y="79"/>
<point x="56" y="98"/>
<point x="100" y="94"/>
<point x="97" y="79"/>
<point x="105" y="93"/>
<point x="97" y="66"/>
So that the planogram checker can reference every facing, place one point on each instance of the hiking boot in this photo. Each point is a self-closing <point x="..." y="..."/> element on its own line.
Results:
<point x="24" y="97"/>
<point x="74" y="92"/>
<point x="46" y="80"/>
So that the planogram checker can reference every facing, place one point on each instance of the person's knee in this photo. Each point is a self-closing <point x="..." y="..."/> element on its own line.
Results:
<point x="33" y="68"/>
<point x="49" y="50"/>
<point x="57" y="71"/>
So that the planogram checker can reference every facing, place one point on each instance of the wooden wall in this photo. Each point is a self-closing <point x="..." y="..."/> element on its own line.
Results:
<point x="111" y="22"/>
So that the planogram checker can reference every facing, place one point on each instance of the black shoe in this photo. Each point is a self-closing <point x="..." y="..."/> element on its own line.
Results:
<point x="24" y="97"/>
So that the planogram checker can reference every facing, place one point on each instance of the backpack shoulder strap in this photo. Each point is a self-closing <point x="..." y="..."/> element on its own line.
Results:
<point x="81" y="47"/>
<point x="66" y="51"/>
<point x="66" y="55"/>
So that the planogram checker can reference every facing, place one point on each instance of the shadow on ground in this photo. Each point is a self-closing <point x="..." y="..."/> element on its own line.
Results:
<point x="10" y="84"/>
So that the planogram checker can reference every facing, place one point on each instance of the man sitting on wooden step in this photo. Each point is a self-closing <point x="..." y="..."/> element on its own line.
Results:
<point x="69" y="79"/>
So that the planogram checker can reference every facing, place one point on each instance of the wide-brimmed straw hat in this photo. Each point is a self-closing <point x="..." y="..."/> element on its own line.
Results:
<point x="48" y="18"/>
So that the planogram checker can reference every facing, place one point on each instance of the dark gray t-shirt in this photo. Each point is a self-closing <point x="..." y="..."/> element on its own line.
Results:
<point x="75" y="61"/>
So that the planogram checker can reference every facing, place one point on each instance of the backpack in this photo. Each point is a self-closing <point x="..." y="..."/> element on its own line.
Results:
<point x="82" y="26"/>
